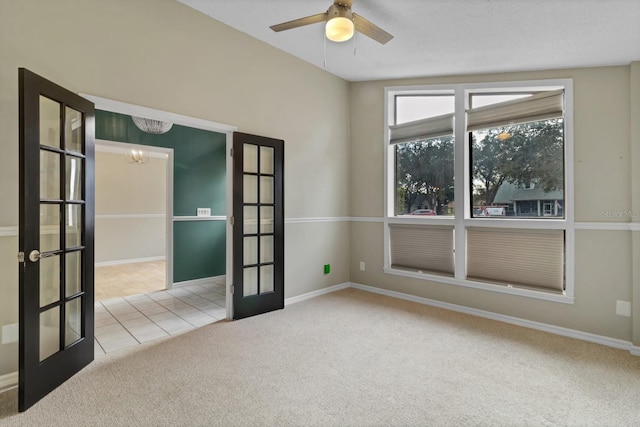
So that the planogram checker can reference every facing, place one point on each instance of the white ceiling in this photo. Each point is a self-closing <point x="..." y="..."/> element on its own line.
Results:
<point x="448" y="37"/>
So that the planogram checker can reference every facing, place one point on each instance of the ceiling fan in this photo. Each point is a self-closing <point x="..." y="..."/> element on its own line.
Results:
<point x="340" y="23"/>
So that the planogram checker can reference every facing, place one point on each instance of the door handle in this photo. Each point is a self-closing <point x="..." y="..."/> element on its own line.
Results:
<point x="35" y="255"/>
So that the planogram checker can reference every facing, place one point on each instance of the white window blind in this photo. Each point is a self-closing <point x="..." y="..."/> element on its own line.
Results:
<point x="422" y="248"/>
<point x="530" y="258"/>
<point x="541" y="106"/>
<point x="431" y="127"/>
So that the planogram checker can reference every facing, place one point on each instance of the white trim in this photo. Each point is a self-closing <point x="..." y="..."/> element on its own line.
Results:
<point x="129" y="216"/>
<point x="503" y="289"/>
<point x="545" y="327"/>
<point x="557" y="330"/>
<point x="309" y="295"/>
<point x="8" y="381"/>
<point x="618" y="226"/>
<point x="200" y="218"/>
<point x="129" y="261"/>
<point x="151" y="113"/>
<point x="317" y="219"/>
<point x="366" y="219"/>
<point x="229" y="226"/>
<point x="8" y="231"/>
<point x="203" y="281"/>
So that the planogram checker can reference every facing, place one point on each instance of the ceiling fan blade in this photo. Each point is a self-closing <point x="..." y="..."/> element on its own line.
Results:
<point x="301" y="22"/>
<point x="371" y="30"/>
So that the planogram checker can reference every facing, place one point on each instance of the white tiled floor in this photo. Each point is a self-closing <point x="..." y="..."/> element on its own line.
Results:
<point x="131" y="320"/>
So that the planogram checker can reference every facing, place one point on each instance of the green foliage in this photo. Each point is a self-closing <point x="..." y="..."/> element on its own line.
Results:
<point x="520" y="154"/>
<point x="425" y="168"/>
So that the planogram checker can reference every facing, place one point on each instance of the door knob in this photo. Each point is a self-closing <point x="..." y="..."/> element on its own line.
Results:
<point x="35" y="255"/>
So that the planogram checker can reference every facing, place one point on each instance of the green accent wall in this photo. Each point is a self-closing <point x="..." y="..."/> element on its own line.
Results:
<point x="201" y="245"/>
<point x="199" y="181"/>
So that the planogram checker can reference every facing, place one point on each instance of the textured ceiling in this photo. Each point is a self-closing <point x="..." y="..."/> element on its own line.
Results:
<point x="448" y="37"/>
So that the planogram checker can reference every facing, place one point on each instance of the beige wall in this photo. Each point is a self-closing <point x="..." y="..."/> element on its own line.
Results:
<point x="602" y="168"/>
<point x="164" y="55"/>
<point x="125" y="192"/>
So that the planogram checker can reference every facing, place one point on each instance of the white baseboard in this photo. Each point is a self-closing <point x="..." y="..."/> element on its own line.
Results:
<point x="558" y="330"/>
<point x="319" y="292"/>
<point x="204" y="281"/>
<point x="129" y="261"/>
<point x="8" y="381"/>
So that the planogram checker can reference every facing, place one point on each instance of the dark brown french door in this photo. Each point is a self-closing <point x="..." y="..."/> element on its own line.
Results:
<point x="258" y="230"/>
<point x="56" y="236"/>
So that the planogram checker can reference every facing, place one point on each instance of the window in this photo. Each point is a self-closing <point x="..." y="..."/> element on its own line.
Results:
<point x="477" y="186"/>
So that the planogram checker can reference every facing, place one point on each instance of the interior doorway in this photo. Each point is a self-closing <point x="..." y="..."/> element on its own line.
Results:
<point x="132" y="224"/>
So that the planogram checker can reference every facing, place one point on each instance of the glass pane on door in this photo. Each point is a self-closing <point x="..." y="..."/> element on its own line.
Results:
<point x="73" y="273"/>
<point x="73" y="130"/>
<point x="266" y="279"/>
<point x="250" y="220"/>
<point x="49" y="227"/>
<point x="250" y="158"/>
<point x="49" y="122"/>
<point x="73" y="187"/>
<point x="266" y="249"/>
<point x="266" y="219"/>
<point x="73" y="321"/>
<point x="266" y="160"/>
<point x="250" y="189"/>
<point x="49" y="175"/>
<point x="250" y="281"/>
<point x="49" y="332"/>
<point x="49" y="280"/>
<point x="250" y="251"/>
<point x="266" y="189"/>
<point x="73" y="225"/>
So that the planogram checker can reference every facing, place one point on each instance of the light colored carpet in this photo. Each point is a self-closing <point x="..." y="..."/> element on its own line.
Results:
<point x="350" y="358"/>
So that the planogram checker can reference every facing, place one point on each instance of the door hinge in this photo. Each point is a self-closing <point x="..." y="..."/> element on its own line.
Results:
<point x="20" y="256"/>
<point x="233" y="221"/>
<point x="232" y="289"/>
<point x="231" y="152"/>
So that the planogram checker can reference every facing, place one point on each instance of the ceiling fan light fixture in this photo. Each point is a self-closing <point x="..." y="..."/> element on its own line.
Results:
<point x="339" y="29"/>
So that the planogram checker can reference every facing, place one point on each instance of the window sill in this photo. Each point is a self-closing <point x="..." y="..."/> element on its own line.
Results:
<point x="529" y="293"/>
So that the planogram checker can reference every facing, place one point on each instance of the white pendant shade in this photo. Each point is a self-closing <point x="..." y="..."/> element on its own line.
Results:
<point x="339" y="29"/>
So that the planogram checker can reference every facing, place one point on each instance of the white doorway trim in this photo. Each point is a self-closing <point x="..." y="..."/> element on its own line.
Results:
<point x="137" y="110"/>
<point x="166" y="153"/>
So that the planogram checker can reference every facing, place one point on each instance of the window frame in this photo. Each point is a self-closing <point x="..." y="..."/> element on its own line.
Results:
<point x="462" y="218"/>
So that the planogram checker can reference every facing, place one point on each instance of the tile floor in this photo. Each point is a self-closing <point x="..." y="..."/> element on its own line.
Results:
<point x="130" y="320"/>
<point x="129" y="279"/>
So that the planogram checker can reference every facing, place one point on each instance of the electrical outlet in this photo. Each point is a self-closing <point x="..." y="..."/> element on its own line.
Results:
<point x="623" y="308"/>
<point x="203" y="211"/>
<point x="9" y="333"/>
<point x="361" y="265"/>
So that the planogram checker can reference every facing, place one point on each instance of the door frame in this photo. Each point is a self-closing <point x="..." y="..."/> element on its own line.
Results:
<point x="114" y="106"/>
<point x="104" y="145"/>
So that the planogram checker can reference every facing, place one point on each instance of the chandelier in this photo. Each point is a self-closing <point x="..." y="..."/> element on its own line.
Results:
<point x="151" y="125"/>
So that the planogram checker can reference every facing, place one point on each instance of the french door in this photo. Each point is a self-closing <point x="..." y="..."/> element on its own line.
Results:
<point x="55" y="236"/>
<point x="258" y="225"/>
